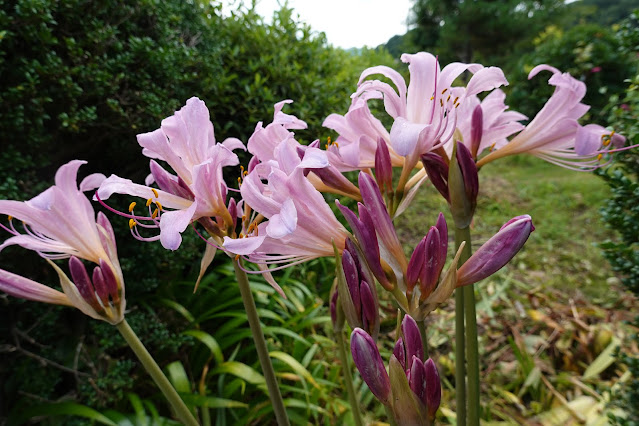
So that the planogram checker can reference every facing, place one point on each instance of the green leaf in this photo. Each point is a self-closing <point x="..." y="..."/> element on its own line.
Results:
<point x="603" y="361"/>
<point x="209" y="341"/>
<point x="240" y="370"/>
<point x="212" y="402"/>
<point x="178" y="377"/>
<point x="64" y="409"/>
<point x="295" y="366"/>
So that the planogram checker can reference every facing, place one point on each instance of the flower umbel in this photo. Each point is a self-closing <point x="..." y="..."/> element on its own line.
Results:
<point x="60" y="223"/>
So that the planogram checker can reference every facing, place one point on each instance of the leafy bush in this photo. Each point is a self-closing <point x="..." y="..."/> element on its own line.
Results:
<point x="621" y="212"/>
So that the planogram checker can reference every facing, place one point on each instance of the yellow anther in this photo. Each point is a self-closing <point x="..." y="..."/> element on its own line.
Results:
<point x="241" y="235"/>
<point x="237" y="256"/>
<point x="441" y="103"/>
<point x="456" y="99"/>
<point x="445" y="90"/>
<point x="155" y="214"/>
<point x="245" y="173"/>
<point x="328" y="140"/>
<point x="132" y="206"/>
<point x="599" y="157"/>
<point x="448" y="98"/>
<point x="336" y="144"/>
<point x="432" y="97"/>
<point x="606" y="142"/>
<point x="149" y="201"/>
<point x="492" y="147"/>
<point x="157" y="203"/>
<point x="10" y="218"/>
<point x="155" y="192"/>
<point x="132" y="223"/>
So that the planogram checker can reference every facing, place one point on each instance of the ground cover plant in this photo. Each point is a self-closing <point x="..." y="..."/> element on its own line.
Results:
<point x="312" y="243"/>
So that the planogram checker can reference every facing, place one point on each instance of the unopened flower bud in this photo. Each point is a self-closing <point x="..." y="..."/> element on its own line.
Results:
<point x="495" y="253"/>
<point x="476" y="129"/>
<point x="433" y="389"/>
<point x="412" y="340"/>
<point x="437" y="171"/>
<point x="463" y="185"/>
<point x="383" y="166"/>
<point x="369" y="364"/>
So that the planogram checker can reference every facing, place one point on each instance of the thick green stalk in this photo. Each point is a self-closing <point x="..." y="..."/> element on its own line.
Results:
<point x="460" y="358"/>
<point x="348" y="378"/>
<point x="422" y="330"/>
<point x="260" y="345"/>
<point x="472" y="347"/>
<point x="181" y="410"/>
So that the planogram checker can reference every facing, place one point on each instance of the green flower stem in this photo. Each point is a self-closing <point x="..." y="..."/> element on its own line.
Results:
<point x="460" y="358"/>
<point x="181" y="410"/>
<point x="348" y="378"/>
<point x="472" y="347"/>
<point x="260" y="345"/>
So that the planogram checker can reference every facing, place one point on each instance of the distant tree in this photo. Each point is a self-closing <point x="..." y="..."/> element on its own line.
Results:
<point x="606" y="12"/>
<point x="480" y="30"/>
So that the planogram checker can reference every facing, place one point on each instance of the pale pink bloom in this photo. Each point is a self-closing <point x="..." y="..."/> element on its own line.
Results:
<point x="300" y="225"/>
<point x="187" y="143"/>
<point x="60" y="223"/>
<point x="555" y="135"/>
<point x="359" y="134"/>
<point x="425" y="113"/>
<point x="485" y="124"/>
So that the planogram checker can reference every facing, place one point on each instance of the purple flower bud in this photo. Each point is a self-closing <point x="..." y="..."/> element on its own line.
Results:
<point x="469" y="171"/>
<point x="83" y="283"/>
<point x="369" y="363"/>
<point x="352" y="281"/>
<point x="110" y="281"/>
<point x="100" y="286"/>
<point x="415" y="266"/>
<point x="412" y="340"/>
<point x="400" y="352"/>
<point x="383" y="166"/>
<point x="332" y="178"/>
<point x="443" y="233"/>
<point x="370" y="310"/>
<point x="433" y="392"/>
<point x="233" y="212"/>
<point x="463" y="185"/>
<point x="435" y="257"/>
<point x="476" y="130"/>
<point x="496" y="252"/>
<point x="416" y="376"/>
<point x="383" y="224"/>
<point x="437" y="171"/>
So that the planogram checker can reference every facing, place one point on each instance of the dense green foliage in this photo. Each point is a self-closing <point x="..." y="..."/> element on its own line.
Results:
<point x="621" y="212"/>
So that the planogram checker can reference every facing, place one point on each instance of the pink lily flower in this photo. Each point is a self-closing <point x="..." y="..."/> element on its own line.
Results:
<point x="425" y="114"/>
<point x="359" y="134"/>
<point x="300" y="226"/>
<point x="485" y="124"/>
<point x="186" y="141"/>
<point x="555" y="135"/>
<point x="60" y="223"/>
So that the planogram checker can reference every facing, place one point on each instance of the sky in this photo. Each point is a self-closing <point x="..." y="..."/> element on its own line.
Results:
<point x="347" y="23"/>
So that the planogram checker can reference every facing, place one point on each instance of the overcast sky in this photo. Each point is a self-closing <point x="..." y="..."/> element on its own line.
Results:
<point x="347" y="23"/>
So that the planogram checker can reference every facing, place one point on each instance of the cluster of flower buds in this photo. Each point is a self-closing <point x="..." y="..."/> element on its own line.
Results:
<point x="356" y="292"/>
<point x="411" y="389"/>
